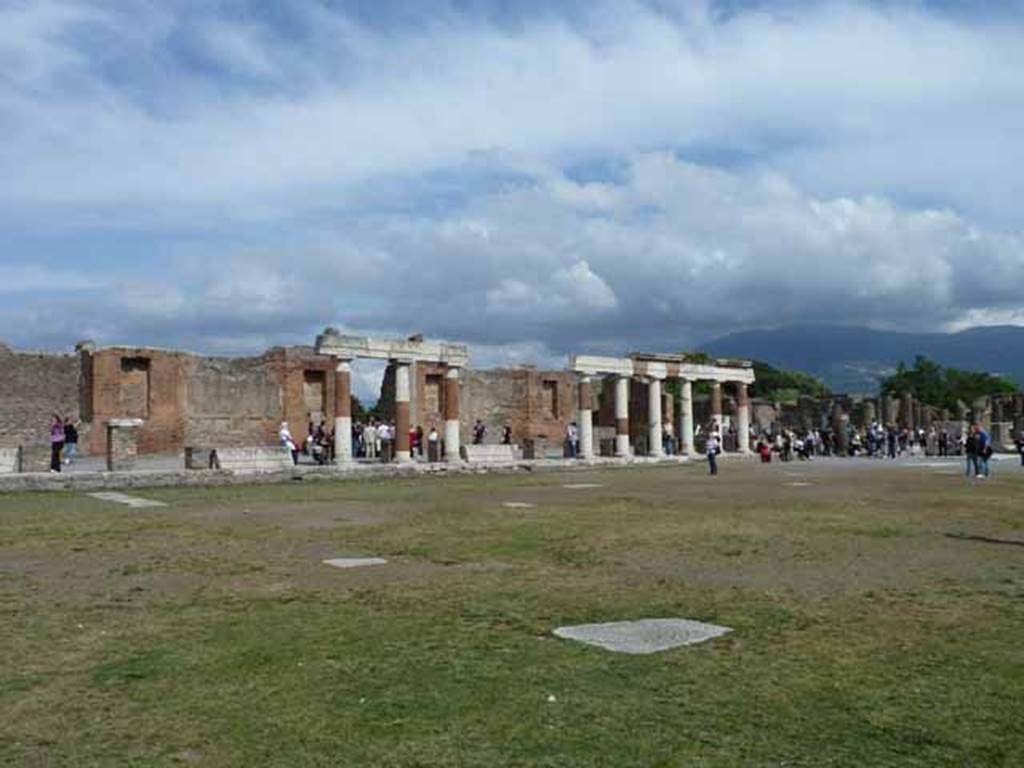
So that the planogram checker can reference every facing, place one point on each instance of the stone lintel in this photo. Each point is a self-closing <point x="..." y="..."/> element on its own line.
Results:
<point x="660" y="367"/>
<point x="333" y="343"/>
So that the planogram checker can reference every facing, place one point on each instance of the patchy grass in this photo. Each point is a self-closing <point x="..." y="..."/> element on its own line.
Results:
<point x="209" y="633"/>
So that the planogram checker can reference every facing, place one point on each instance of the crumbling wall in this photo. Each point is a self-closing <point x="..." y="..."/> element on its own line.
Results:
<point x="34" y="386"/>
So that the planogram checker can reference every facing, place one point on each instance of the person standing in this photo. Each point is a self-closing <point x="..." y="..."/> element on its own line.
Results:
<point x="572" y="440"/>
<point x="1020" y="447"/>
<point x="984" y="451"/>
<point x="506" y="435"/>
<point x="70" y="441"/>
<point x="56" y="442"/>
<point x="712" y="448"/>
<point x="370" y="440"/>
<point x="971" y="468"/>
<point x="284" y="434"/>
<point x="433" y="452"/>
<point x="479" y="431"/>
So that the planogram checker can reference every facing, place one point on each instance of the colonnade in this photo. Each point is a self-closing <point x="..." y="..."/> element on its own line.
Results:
<point x="401" y="354"/>
<point x="654" y="370"/>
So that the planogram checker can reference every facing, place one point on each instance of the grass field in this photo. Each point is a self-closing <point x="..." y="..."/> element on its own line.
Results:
<point x="869" y="629"/>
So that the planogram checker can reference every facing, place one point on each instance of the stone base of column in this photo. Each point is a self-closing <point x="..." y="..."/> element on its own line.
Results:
<point x="622" y="446"/>
<point x="122" y="444"/>
<point x="343" y="440"/>
<point x="451" y="440"/>
<point x="403" y="457"/>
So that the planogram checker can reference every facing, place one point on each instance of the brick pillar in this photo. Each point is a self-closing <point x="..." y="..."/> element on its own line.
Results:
<point x="122" y="444"/>
<point x="716" y="403"/>
<point x="586" y="419"/>
<point x="402" y="394"/>
<point x="451" y="414"/>
<point x="742" y="418"/>
<point x="343" y="412"/>
<point x="622" y="416"/>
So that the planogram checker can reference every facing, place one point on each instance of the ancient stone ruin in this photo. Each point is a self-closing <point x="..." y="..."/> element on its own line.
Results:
<point x="139" y="401"/>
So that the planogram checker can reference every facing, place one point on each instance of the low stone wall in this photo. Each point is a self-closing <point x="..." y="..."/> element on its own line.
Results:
<point x="261" y="459"/>
<point x="10" y="461"/>
<point x="488" y="454"/>
<point x="91" y="481"/>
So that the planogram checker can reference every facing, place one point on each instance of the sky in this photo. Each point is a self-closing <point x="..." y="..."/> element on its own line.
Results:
<point x="533" y="178"/>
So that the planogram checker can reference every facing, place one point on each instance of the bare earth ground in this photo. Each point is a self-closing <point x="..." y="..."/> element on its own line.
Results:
<point x="877" y="614"/>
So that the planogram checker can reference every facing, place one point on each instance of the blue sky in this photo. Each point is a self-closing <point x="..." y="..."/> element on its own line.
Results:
<point x="531" y="177"/>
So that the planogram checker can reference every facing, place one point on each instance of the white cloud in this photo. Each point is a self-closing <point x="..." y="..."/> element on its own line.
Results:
<point x="857" y="163"/>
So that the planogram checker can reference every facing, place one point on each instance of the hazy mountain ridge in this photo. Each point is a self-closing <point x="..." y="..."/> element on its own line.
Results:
<point x="854" y="359"/>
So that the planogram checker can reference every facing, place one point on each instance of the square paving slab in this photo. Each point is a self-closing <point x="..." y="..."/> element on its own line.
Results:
<point x="123" y="498"/>
<point x="354" y="562"/>
<point x="580" y="486"/>
<point x="517" y="505"/>
<point x="643" y="635"/>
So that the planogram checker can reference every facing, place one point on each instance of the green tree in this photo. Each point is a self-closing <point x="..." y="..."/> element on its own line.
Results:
<point x="942" y="387"/>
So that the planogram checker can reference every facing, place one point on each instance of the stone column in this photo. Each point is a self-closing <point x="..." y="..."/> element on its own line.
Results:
<point x="622" y="416"/>
<point x="586" y="422"/>
<point x="716" y="404"/>
<point x="1018" y="413"/>
<point x="654" y="427"/>
<point x="402" y="394"/>
<point x="343" y="412"/>
<point x="742" y="418"/>
<point x="122" y="444"/>
<point x="908" y="410"/>
<point x="451" y="414"/>
<point x="686" y="445"/>
<point x="869" y="412"/>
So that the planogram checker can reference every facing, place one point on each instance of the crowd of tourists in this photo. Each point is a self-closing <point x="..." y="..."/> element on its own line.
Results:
<point x="878" y="441"/>
<point x="372" y="440"/>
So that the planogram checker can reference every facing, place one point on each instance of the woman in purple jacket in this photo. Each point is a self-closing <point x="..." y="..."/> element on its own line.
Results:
<point x="56" y="442"/>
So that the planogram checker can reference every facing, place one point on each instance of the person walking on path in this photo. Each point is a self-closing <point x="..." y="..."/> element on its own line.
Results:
<point x="70" y="442"/>
<point x="1020" y="447"/>
<point x="712" y="448"/>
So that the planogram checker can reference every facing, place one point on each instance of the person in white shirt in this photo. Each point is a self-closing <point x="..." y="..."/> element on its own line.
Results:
<point x="284" y="434"/>
<point x="432" y="445"/>
<point x="712" y="448"/>
<point x="370" y="440"/>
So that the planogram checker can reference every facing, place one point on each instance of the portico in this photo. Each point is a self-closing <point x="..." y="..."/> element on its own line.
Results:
<point x="402" y="353"/>
<point x="654" y="370"/>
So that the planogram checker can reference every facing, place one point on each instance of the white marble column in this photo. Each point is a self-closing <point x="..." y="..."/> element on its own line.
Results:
<point x="402" y="396"/>
<point x="343" y="412"/>
<point x="686" y="446"/>
<point x="451" y="414"/>
<point x="586" y="422"/>
<point x="654" y="426"/>
<point x="743" y="418"/>
<point x="622" y="416"/>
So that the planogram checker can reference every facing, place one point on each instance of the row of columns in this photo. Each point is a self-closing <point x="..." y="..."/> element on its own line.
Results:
<point x="403" y="396"/>
<point x="654" y="415"/>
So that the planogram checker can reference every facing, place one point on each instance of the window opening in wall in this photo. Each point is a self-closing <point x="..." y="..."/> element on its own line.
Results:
<point x="134" y="395"/>
<point x="549" y="399"/>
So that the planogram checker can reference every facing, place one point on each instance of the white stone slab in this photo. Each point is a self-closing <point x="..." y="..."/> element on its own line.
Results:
<point x="581" y="486"/>
<point x="644" y="635"/>
<point x="123" y="498"/>
<point x="354" y="562"/>
<point x="517" y="505"/>
<point x="799" y="485"/>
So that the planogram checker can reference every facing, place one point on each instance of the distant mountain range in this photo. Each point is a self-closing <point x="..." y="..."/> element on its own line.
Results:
<point x="852" y="359"/>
